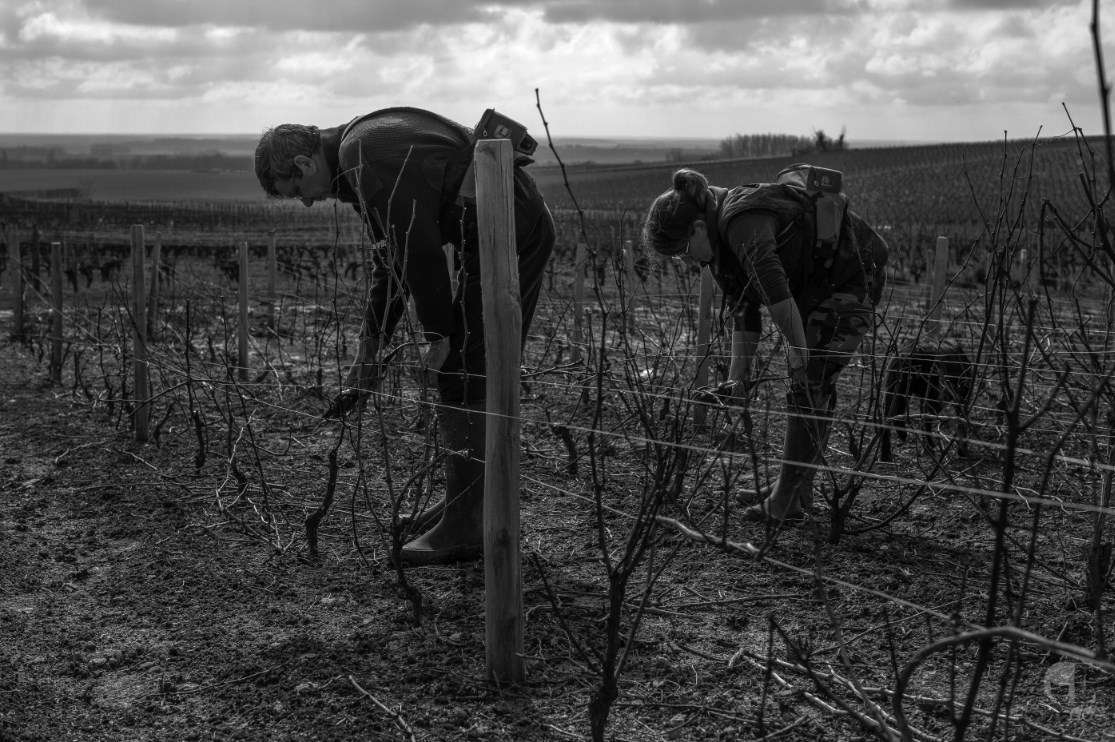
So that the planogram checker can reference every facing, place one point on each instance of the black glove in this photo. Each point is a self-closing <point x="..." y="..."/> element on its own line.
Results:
<point x="343" y="404"/>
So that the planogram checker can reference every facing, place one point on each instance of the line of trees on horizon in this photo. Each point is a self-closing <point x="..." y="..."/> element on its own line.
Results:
<point x="776" y="145"/>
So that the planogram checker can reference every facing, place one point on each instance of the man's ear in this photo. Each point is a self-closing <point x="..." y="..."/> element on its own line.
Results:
<point x="305" y="164"/>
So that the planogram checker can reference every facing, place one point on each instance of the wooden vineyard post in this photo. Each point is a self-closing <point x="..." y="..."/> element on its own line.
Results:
<point x="1025" y="274"/>
<point x="142" y="414"/>
<point x="15" y="277"/>
<point x="153" y="289"/>
<point x="56" y="271"/>
<point x="579" y="260"/>
<point x="499" y="282"/>
<point x="915" y="238"/>
<point x="36" y="279"/>
<point x="69" y="264"/>
<point x="242" y="286"/>
<point x="937" y="278"/>
<point x="630" y="280"/>
<point x="744" y="345"/>
<point x="704" y="331"/>
<point x="1019" y="270"/>
<point x="273" y="282"/>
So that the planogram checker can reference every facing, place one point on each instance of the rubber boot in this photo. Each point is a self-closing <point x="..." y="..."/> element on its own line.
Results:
<point x="424" y="521"/>
<point x="459" y="533"/>
<point x="792" y="494"/>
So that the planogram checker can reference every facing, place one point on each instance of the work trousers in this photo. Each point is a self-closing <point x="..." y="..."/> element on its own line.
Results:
<point x="462" y="379"/>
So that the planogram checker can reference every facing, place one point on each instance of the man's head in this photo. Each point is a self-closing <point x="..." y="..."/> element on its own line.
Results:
<point x="291" y="164"/>
<point x="677" y="216"/>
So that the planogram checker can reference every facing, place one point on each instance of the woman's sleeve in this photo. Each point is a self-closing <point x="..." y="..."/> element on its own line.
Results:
<point x="752" y="237"/>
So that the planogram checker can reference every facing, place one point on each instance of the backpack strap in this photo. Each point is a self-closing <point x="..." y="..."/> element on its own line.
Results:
<point x="712" y="223"/>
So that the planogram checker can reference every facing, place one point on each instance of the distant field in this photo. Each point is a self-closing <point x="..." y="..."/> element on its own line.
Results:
<point x="138" y="185"/>
<point x="960" y="191"/>
<point x="928" y="183"/>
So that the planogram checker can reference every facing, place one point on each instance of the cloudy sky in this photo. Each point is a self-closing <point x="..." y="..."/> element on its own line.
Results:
<point x="960" y="70"/>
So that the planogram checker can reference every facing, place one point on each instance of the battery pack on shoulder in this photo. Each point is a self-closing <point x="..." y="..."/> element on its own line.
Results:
<point x="494" y="125"/>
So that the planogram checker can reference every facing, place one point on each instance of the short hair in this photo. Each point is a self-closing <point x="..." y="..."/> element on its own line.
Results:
<point x="667" y="225"/>
<point x="277" y="148"/>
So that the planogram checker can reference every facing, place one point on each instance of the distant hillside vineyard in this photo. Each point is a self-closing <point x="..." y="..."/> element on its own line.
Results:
<point x="939" y="184"/>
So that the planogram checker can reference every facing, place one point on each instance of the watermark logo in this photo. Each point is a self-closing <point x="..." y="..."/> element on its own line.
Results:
<point x="1064" y="685"/>
<point x="1060" y="683"/>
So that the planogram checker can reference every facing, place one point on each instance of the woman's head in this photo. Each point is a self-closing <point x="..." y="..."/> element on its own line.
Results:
<point x="669" y="222"/>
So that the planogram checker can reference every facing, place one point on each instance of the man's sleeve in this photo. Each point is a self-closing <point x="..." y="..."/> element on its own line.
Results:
<point x="406" y="213"/>
<point x="387" y="297"/>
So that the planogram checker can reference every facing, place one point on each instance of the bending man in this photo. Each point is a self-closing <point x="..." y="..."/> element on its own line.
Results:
<point x="402" y="170"/>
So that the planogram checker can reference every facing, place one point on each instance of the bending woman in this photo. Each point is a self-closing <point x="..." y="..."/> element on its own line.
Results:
<point x="818" y="273"/>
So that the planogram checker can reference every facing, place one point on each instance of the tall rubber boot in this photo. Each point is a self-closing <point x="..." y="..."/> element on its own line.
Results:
<point x="805" y="442"/>
<point x="424" y="521"/>
<point x="459" y="533"/>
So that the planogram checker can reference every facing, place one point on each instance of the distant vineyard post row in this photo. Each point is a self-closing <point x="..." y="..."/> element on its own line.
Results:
<point x="145" y="301"/>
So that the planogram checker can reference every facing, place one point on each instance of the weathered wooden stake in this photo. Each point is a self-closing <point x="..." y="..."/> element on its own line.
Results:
<point x="1019" y="270"/>
<point x="141" y="415"/>
<point x="242" y="356"/>
<point x="744" y="345"/>
<point x="273" y="282"/>
<point x="704" y="330"/>
<point x="69" y="263"/>
<point x="630" y="281"/>
<point x="1028" y="275"/>
<point x="15" y="278"/>
<point x="36" y="262"/>
<point x="153" y="290"/>
<point x="580" y="253"/>
<point x="57" y="269"/>
<point x="938" y="277"/>
<point x="499" y="282"/>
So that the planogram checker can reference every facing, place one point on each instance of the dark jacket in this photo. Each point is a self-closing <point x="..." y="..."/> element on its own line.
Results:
<point x="401" y="168"/>
<point x="765" y="251"/>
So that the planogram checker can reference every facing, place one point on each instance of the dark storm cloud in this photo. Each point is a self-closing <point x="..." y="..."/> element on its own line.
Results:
<point x="690" y="11"/>
<point x="161" y="49"/>
<point x="769" y="32"/>
<point x="335" y="15"/>
<point x="1005" y="4"/>
<point x="392" y="15"/>
<point x="137" y="78"/>
<point x="749" y="59"/>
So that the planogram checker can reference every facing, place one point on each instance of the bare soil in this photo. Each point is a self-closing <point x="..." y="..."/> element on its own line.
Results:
<point x="138" y="602"/>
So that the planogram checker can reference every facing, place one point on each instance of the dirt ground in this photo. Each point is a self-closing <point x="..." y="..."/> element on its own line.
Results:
<point x="131" y="609"/>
